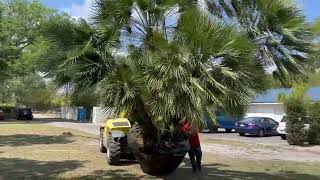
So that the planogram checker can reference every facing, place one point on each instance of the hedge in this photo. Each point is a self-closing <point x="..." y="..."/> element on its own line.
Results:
<point x="8" y="110"/>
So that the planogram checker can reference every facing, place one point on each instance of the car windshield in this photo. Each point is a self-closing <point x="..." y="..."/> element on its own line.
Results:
<point x="251" y="119"/>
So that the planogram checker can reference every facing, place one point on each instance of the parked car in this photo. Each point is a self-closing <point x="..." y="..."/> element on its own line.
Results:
<point x="24" y="113"/>
<point x="1" y="115"/>
<point x="260" y="126"/>
<point x="282" y="127"/>
<point x="223" y="121"/>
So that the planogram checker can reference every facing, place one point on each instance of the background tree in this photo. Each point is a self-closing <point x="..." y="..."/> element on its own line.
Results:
<point x="20" y="24"/>
<point x="31" y="90"/>
<point x="22" y="52"/>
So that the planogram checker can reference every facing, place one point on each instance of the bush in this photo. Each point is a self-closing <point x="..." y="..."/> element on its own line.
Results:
<point x="8" y="110"/>
<point x="296" y="113"/>
<point x="314" y="129"/>
<point x="314" y="134"/>
<point x="297" y="104"/>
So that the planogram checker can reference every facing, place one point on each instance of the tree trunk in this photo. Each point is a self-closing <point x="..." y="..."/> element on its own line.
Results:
<point x="149" y="131"/>
<point x="156" y="162"/>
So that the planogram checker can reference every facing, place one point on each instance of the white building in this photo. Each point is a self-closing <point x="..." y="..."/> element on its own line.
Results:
<point x="267" y="104"/>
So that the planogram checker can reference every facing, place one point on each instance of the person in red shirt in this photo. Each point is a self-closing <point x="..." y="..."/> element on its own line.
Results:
<point x="195" y="153"/>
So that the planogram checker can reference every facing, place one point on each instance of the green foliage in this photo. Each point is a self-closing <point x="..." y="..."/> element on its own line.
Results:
<point x="8" y="110"/>
<point x="296" y="112"/>
<point x="202" y="65"/>
<point x="21" y="22"/>
<point x="316" y="28"/>
<point x="300" y="111"/>
<point x="314" y="129"/>
<point x="29" y="90"/>
<point x="296" y="109"/>
<point x="278" y="28"/>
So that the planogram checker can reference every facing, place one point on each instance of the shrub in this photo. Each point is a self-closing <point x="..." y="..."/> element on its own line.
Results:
<point x="8" y="110"/>
<point x="296" y="113"/>
<point x="296" y="109"/>
<point x="314" y="129"/>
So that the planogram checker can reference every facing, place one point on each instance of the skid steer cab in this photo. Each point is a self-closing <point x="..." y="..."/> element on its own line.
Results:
<point x="113" y="139"/>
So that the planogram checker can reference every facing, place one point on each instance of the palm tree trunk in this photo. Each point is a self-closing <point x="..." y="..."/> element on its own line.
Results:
<point x="149" y="131"/>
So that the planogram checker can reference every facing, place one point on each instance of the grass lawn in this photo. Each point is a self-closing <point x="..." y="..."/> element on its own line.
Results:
<point x="39" y="151"/>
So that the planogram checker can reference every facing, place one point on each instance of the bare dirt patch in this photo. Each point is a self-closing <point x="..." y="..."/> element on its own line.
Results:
<point x="260" y="151"/>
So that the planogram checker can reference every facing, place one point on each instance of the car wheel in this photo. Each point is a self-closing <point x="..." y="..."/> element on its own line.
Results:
<point x="241" y="134"/>
<point x="103" y="149"/>
<point x="228" y="130"/>
<point x="283" y="136"/>
<point x="261" y="133"/>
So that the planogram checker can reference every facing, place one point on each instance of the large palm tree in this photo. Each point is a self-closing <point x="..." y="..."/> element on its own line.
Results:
<point x="178" y="60"/>
<point x="204" y="62"/>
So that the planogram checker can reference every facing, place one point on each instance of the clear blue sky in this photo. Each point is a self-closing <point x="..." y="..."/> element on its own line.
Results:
<point x="81" y="8"/>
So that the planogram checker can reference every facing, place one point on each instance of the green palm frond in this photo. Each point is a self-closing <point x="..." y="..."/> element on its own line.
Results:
<point x="204" y="64"/>
<point x="278" y="28"/>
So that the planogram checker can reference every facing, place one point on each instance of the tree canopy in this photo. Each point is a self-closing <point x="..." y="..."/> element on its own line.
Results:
<point x="181" y="56"/>
<point x="21" y="52"/>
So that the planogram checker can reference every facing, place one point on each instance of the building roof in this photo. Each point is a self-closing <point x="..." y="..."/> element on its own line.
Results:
<point x="271" y="96"/>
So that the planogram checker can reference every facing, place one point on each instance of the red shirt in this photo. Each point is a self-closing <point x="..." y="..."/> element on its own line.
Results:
<point x="194" y="138"/>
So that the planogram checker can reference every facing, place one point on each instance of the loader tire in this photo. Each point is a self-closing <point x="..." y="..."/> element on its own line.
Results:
<point x="113" y="151"/>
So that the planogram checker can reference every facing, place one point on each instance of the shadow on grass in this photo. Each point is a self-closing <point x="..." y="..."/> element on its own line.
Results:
<point x="113" y="174"/>
<point x="214" y="171"/>
<point x="32" y="139"/>
<point x="14" y="168"/>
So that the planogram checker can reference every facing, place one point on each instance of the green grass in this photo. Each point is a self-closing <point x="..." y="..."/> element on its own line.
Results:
<point x="41" y="151"/>
<point x="227" y="168"/>
<point x="33" y="151"/>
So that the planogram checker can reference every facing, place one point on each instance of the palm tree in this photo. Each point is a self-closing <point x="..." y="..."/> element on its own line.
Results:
<point x="277" y="27"/>
<point x="189" y="63"/>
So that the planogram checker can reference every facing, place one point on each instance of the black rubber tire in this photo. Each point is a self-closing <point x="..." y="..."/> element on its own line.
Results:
<point x="113" y="151"/>
<point x="283" y="136"/>
<point x="103" y="149"/>
<point x="241" y="134"/>
<point x="261" y="133"/>
<point x="228" y="130"/>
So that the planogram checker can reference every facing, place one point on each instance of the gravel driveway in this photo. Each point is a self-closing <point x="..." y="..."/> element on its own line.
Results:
<point x="85" y="127"/>
<point x="269" y="140"/>
<point x="227" y="144"/>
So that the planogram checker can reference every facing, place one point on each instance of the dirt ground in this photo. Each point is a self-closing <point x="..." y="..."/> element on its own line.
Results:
<point x="259" y="151"/>
<point x="42" y="149"/>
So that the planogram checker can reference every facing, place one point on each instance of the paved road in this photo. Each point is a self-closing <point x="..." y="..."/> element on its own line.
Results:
<point x="94" y="129"/>
<point x="269" y="140"/>
<point x="85" y="127"/>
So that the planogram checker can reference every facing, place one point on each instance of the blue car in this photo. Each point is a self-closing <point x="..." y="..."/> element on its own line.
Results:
<point x="260" y="126"/>
<point x="223" y="121"/>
